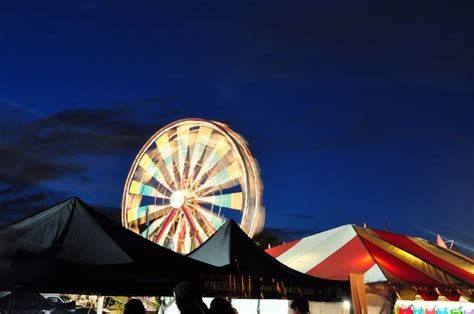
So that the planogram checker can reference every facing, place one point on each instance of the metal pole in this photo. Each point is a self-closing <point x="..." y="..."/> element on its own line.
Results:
<point x="11" y="301"/>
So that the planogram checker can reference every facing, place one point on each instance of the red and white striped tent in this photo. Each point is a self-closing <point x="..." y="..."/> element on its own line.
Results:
<point x="381" y="256"/>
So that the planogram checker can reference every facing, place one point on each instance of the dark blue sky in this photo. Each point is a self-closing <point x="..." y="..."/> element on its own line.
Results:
<point x="356" y="111"/>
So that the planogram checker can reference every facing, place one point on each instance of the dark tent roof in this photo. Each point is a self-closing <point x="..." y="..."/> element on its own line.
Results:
<point x="71" y="247"/>
<point x="233" y="250"/>
<point x="26" y="301"/>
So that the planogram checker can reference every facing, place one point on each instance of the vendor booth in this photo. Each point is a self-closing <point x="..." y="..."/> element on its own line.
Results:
<point x="394" y="268"/>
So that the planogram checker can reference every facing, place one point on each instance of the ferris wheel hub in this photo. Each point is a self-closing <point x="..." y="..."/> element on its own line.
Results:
<point x="178" y="199"/>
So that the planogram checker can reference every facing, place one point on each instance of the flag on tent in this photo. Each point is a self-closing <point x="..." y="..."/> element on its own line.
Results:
<point x="440" y="241"/>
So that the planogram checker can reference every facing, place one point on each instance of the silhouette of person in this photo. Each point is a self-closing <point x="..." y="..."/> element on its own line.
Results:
<point x="134" y="306"/>
<point x="300" y="306"/>
<point x="221" y="306"/>
<point x="188" y="299"/>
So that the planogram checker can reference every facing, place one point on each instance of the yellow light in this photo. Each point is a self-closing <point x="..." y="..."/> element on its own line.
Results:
<point x="346" y="305"/>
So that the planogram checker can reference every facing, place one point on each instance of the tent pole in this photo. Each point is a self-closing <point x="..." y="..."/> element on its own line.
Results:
<point x="100" y="304"/>
<point x="258" y="306"/>
<point x="11" y="301"/>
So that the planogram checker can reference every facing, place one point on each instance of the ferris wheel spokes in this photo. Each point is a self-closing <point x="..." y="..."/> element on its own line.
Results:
<point x="182" y="239"/>
<point x="164" y="147"/>
<point x="143" y="211"/>
<point x="213" y="219"/>
<point x="200" y="146"/>
<point x="195" y="226"/>
<point x="150" y="230"/>
<point x="182" y="136"/>
<point x="225" y="179"/>
<point x="149" y="166"/>
<point x="166" y="226"/>
<point x="145" y="189"/>
<point x="231" y="200"/>
<point x="217" y="153"/>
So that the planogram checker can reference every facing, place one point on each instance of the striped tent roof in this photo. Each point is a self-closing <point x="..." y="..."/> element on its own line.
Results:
<point x="379" y="255"/>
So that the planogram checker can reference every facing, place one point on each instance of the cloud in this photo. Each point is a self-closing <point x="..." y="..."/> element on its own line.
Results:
<point x="103" y="130"/>
<point x="22" y="200"/>
<point x="81" y="130"/>
<point x="49" y="148"/>
<point x="86" y="131"/>
<point x="21" y="167"/>
<point x="35" y="200"/>
<point x="16" y="208"/>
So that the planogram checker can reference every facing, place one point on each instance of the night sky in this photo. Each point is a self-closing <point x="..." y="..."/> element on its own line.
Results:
<point x="357" y="112"/>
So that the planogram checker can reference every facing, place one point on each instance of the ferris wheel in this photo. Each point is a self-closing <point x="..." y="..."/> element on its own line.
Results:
<point x="186" y="180"/>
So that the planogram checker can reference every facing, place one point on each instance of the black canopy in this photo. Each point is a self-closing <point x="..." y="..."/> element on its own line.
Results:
<point x="259" y="274"/>
<point x="26" y="302"/>
<point x="72" y="248"/>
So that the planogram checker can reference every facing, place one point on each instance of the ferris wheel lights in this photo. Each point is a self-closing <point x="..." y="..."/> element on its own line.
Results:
<point x="184" y="181"/>
<point x="177" y="199"/>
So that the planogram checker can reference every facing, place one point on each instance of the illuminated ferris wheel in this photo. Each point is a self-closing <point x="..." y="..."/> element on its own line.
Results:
<point x="186" y="180"/>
